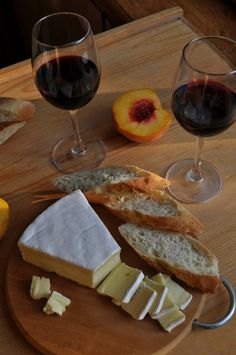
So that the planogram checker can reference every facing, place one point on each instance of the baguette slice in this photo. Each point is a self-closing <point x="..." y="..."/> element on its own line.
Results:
<point x="156" y="209"/>
<point x="8" y="130"/>
<point x="129" y="175"/>
<point x="175" y="254"/>
<point x="15" y="110"/>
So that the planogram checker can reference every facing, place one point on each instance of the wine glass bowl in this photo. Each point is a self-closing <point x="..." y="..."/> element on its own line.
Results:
<point x="204" y="104"/>
<point x="66" y="70"/>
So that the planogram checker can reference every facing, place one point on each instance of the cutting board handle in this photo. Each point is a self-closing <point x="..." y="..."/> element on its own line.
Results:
<point x="229" y="314"/>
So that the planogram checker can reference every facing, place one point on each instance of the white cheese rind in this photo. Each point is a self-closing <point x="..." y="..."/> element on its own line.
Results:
<point x="69" y="234"/>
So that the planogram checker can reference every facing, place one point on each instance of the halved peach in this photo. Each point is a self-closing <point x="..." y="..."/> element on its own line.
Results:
<point x="139" y="116"/>
<point x="4" y="217"/>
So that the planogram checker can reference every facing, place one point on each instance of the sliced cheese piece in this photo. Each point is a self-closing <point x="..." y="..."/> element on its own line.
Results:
<point x="141" y="301"/>
<point x="117" y="303"/>
<point x="172" y="319"/>
<point x="121" y="283"/>
<point x="168" y="305"/>
<point x="40" y="287"/>
<point x="161" y="291"/>
<point x="70" y="239"/>
<point x="56" y="303"/>
<point x="159" y="278"/>
<point x="177" y="294"/>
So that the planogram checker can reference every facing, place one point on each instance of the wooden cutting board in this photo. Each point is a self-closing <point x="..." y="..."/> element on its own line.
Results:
<point x="92" y="324"/>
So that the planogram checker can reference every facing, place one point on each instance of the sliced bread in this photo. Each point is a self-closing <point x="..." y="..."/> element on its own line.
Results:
<point x="129" y="175"/>
<point x="175" y="254"/>
<point x="156" y="208"/>
<point x="15" y="110"/>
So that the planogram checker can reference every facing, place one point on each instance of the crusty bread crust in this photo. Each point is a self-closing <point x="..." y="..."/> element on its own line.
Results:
<point x="92" y="182"/>
<point x="178" y="224"/>
<point x="15" y="110"/>
<point x="147" y="180"/>
<point x="205" y="283"/>
<point x="110" y="196"/>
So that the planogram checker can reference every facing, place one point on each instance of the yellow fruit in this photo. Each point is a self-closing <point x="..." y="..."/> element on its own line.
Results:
<point x="4" y="217"/>
<point x="139" y="116"/>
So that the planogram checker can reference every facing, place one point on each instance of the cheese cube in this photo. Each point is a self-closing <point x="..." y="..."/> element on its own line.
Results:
<point x="69" y="239"/>
<point x="141" y="302"/>
<point x="121" y="283"/>
<point x="40" y="287"/>
<point x="56" y="303"/>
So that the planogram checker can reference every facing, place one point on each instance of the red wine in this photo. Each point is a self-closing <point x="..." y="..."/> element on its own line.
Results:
<point x="204" y="108"/>
<point x="68" y="82"/>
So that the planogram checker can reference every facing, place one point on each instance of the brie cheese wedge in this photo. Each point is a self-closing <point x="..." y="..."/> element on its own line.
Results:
<point x="70" y="239"/>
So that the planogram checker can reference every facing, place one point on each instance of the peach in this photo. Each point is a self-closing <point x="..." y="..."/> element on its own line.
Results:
<point x="139" y="116"/>
<point x="4" y="217"/>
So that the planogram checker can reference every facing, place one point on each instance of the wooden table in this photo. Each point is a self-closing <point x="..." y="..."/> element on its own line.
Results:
<point x="205" y="17"/>
<point x="144" y="53"/>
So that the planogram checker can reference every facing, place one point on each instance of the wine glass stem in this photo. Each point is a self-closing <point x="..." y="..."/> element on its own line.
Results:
<point x="78" y="147"/>
<point x="195" y="174"/>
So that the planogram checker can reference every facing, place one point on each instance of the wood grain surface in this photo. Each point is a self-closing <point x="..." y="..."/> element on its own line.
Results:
<point x="212" y="17"/>
<point x="140" y="54"/>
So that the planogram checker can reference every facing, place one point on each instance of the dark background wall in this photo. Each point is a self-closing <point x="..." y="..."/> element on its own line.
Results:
<point x="17" y="18"/>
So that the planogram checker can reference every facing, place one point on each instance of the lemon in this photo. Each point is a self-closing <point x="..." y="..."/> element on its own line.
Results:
<point x="4" y="217"/>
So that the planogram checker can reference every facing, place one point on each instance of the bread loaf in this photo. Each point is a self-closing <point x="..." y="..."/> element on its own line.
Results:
<point x="15" y="110"/>
<point x="155" y="208"/>
<point x="175" y="254"/>
<point x="129" y="175"/>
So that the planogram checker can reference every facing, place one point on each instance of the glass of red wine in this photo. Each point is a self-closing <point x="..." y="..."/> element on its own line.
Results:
<point x="66" y="70"/>
<point x="204" y="104"/>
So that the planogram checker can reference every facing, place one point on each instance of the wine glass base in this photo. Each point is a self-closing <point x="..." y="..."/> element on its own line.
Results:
<point x="190" y="191"/>
<point x="65" y="161"/>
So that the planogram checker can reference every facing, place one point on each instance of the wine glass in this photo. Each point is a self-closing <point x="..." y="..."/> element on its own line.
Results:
<point x="204" y="104"/>
<point x="66" y="70"/>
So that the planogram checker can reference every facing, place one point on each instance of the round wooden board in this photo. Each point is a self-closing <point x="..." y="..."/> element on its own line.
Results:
<point x="92" y="324"/>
